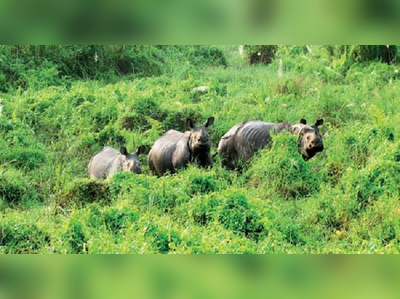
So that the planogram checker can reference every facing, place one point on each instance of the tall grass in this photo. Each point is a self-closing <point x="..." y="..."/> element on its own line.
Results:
<point x="343" y="200"/>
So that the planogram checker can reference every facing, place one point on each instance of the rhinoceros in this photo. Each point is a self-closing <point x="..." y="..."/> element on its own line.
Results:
<point x="175" y="149"/>
<point x="243" y="140"/>
<point x="108" y="161"/>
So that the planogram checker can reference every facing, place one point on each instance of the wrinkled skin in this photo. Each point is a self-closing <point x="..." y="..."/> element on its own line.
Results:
<point x="175" y="150"/>
<point x="310" y="140"/>
<point x="241" y="142"/>
<point x="108" y="161"/>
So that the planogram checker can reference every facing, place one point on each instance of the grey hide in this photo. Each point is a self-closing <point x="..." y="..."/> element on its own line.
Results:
<point x="175" y="149"/>
<point x="108" y="161"/>
<point x="243" y="140"/>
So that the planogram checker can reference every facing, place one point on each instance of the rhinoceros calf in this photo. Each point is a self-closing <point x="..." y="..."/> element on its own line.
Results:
<point x="108" y="161"/>
<point x="175" y="149"/>
<point x="243" y="140"/>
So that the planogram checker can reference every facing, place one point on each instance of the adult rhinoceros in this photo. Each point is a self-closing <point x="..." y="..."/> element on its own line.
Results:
<point x="108" y="161"/>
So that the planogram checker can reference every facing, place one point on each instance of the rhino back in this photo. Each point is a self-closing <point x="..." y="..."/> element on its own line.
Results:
<point x="243" y="140"/>
<point x="251" y="137"/>
<point x="105" y="163"/>
<point x="163" y="151"/>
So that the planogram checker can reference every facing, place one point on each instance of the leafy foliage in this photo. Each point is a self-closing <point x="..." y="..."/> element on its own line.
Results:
<point x="59" y="107"/>
<point x="261" y="54"/>
<point x="22" y="238"/>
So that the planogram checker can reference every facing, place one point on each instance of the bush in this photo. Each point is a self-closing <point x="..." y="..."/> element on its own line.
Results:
<point x="41" y="66"/>
<point x="15" y="188"/>
<point x="114" y="218"/>
<point x="261" y="54"/>
<point x="203" y="184"/>
<point x="379" y="177"/>
<point x="282" y="171"/>
<point x="292" y="232"/>
<point x="22" y="237"/>
<point x="379" y="224"/>
<point x="76" y="237"/>
<point x="23" y="157"/>
<point x="203" y="209"/>
<point x="161" y="237"/>
<point x="239" y="216"/>
<point x="364" y="53"/>
<point x="82" y="191"/>
<point x="118" y="218"/>
<point x="346" y="56"/>
<point x="177" y="120"/>
<point x="137" y="117"/>
<point x="207" y="55"/>
<point x="110" y="135"/>
<point x="104" y="116"/>
<point x="135" y="121"/>
<point x="148" y="191"/>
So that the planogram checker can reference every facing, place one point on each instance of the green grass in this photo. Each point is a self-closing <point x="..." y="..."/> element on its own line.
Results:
<point x="344" y="200"/>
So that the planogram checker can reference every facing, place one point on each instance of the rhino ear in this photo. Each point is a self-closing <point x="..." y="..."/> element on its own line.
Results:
<point x="190" y="123"/>
<point x="123" y="150"/>
<point x="209" y="121"/>
<point x="140" y="150"/>
<point x="303" y="121"/>
<point x="319" y="122"/>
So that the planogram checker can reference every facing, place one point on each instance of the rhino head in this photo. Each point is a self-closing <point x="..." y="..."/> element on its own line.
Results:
<point x="199" y="141"/>
<point x="131" y="161"/>
<point x="310" y="139"/>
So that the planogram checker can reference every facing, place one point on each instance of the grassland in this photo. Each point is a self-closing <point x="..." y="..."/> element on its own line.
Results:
<point x="345" y="200"/>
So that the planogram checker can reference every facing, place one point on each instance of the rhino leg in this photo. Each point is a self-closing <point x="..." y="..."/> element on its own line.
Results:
<point x="155" y="163"/>
<point x="227" y="152"/>
<point x="151" y="164"/>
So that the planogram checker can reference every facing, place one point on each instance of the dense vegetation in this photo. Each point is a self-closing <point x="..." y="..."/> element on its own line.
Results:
<point x="62" y="104"/>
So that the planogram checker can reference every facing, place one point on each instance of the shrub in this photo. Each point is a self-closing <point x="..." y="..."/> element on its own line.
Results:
<point x="15" y="188"/>
<point x="282" y="170"/>
<point x="22" y="237"/>
<point x="118" y="218"/>
<point x="161" y="237"/>
<point x="203" y="183"/>
<point x="44" y="76"/>
<point x="76" y="237"/>
<point x="82" y="191"/>
<point x="137" y="117"/>
<point x="134" y="121"/>
<point x="378" y="224"/>
<point x="110" y="135"/>
<point x="363" y="53"/>
<point x="239" y="216"/>
<point x="176" y="120"/>
<point x="104" y="116"/>
<point x="203" y="209"/>
<point x="143" y="61"/>
<point x="147" y="106"/>
<point x="114" y="218"/>
<point x="147" y="191"/>
<point x="261" y="54"/>
<point x="379" y="177"/>
<point x="23" y="157"/>
<point x="6" y="125"/>
<point x="208" y="55"/>
<point x="292" y="232"/>
<point x="42" y="66"/>
<point x="346" y="56"/>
